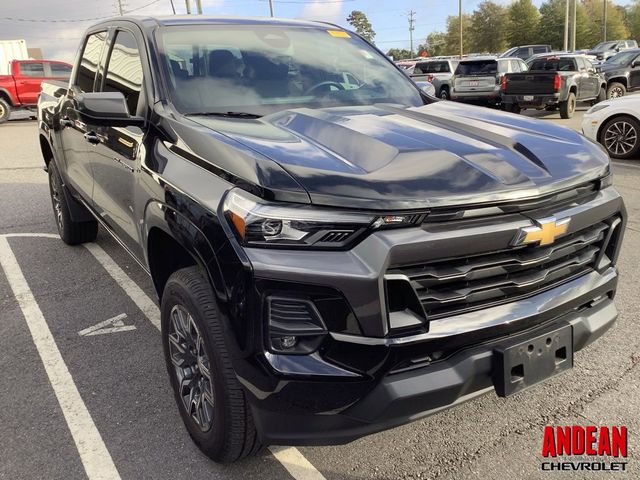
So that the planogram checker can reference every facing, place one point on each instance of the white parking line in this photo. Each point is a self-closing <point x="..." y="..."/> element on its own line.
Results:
<point x="94" y="455"/>
<point x="290" y="457"/>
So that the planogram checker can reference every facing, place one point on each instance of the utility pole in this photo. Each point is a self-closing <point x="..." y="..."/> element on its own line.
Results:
<point x="575" y="23"/>
<point x="411" y="14"/>
<point x="173" y="7"/>
<point x="120" y="7"/>
<point x="271" y="7"/>
<point x="199" y="6"/>
<point x="566" y="26"/>
<point x="604" y="21"/>
<point x="188" y="3"/>
<point x="460" y="19"/>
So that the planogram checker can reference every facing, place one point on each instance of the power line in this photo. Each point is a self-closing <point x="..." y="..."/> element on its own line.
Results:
<point x="75" y="20"/>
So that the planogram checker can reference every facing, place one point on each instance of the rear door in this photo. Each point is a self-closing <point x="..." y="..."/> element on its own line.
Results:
<point x="58" y="70"/>
<point x="116" y="158"/>
<point x="78" y="171"/>
<point x="29" y="81"/>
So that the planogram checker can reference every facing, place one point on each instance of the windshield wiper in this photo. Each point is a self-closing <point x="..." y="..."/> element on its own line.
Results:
<point x="225" y="114"/>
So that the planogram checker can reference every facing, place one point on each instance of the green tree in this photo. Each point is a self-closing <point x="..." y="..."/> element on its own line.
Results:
<point x="361" y="23"/>
<point x="616" y="28"/>
<point x="523" y="23"/>
<point x="436" y="43"/>
<point x="488" y="32"/>
<point x="399" y="53"/>
<point x="633" y="20"/>
<point x="452" y="37"/>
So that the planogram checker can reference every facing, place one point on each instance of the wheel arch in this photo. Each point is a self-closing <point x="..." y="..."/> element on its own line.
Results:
<point x="623" y="80"/>
<point x="46" y="149"/>
<point x="4" y="94"/>
<point x="173" y="242"/>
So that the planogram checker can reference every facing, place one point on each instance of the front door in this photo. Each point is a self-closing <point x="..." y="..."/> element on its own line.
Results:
<point x="29" y="81"/>
<point x="115" y="158"/>
<point x="73" y="131"/>
<point x="634" y="73"/>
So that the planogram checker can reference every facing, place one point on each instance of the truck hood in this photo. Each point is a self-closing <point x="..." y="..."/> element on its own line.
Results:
<point x="383" y="157"/>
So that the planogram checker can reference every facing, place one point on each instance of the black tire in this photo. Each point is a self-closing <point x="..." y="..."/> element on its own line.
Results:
<point x="444" y="93"/>
<point x="568" y="107"/>
<point x="5" y="110"/>
<point x="512" y="108"/>
<point x="230" y="434"/>
<point x="71" y="232"/>
<point x="602" y="96"/>
<point x="616" y="90"/>
<point x="620" y="136"/>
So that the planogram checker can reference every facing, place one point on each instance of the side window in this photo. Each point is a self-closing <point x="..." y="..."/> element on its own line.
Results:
<point x="60" y="70"/>
<point x="124" y="70"/>
<point x="32" y="69"/>
<point x="539" y="49"/>
<point x="89" y="62"/>
<point x="515" y="66"/>
<point x="522" y="53"/>
<point x="581" y="65"/>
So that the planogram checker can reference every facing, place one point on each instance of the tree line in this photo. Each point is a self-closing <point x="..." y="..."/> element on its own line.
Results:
<point x="493" y="27"/>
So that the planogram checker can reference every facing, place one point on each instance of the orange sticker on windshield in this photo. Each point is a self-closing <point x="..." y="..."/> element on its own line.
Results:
<point x="339" y="33"/>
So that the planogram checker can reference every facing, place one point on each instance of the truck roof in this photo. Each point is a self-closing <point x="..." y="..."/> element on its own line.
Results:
<point x="171" y="20"/>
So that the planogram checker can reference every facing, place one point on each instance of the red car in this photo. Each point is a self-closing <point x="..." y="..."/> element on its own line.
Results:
<point x="21" y="89"/>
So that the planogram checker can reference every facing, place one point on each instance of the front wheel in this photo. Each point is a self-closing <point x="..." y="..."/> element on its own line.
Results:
<point x="444" y="94"/>
<point x="616" y="90"/>
<point x="5" y="110"/>
<point x="568" y="107"/>
<point x="71" y="232"/>
<point x="621" y="137"/>
<point x="210" y="399"/>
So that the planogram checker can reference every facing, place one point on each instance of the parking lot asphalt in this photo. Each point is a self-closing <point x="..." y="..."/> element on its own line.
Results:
<point x="124" y="400"/>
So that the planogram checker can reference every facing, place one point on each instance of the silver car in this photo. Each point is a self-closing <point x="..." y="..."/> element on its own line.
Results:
<point x="478" y="79"/>
<point x="437" y="71"/>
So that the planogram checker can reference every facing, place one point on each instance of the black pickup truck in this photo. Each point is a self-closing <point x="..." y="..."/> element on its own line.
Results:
<point x="556" y="81"/>
<point x="329" y="261"/>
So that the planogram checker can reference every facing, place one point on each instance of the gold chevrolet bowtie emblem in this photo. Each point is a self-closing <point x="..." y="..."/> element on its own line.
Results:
<point x="545" y="232"/>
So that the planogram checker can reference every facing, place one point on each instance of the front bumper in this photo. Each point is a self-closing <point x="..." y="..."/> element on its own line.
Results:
<point x="590" y="126"/>
<point x="407" y="396"/>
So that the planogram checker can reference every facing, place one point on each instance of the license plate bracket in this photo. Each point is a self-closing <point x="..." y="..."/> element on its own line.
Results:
<point x="528" y="98"/>
<point x="522" y="364"/>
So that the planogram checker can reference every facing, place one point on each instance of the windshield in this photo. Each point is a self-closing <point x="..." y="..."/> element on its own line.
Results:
<point x="478" y="67"/>
<point x="604" y="46"/>
<point x="259" y="70"/>
<point x="624" y="58"/>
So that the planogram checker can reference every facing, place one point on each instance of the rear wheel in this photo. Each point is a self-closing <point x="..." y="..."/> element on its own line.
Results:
<point x="210" y="398"/>
<point x="568" y="107"/>
<point x="5" y="110"/>
<point x="602" y="96"/>
<point x="616" y="90"/>
<point x="71" y="232"/>
<point x="512" y="108"/>
<point x="444" y="94"/>
<point x="621" y="137"/>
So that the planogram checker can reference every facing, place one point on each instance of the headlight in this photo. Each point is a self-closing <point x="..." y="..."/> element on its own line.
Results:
<point x="596" y="108"/>
<point x="259" y="223"/>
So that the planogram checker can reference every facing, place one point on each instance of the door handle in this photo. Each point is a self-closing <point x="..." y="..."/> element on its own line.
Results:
<point x="92" y="138"/>
<point x="66" y="122"/>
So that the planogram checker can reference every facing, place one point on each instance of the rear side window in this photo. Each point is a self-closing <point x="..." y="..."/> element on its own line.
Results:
<point x="124" y="70"/>
<point x="477" y="67"/>
<point x="32" y="69"/>
<point x="554" y="64"/>
<point x="522" y="53"/>
<point x="89" y="62"/>
<point x="540" y="49"/>
<point x="433" y="67"/>
<point x="60" y="70"/>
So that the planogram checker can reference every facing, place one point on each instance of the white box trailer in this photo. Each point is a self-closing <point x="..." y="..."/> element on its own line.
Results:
<point x="11" y="50"/>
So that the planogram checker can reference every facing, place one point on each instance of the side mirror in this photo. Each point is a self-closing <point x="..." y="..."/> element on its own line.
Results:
<point x="427" y="87"/>
<point x="105" y="109"/>
<point x="634" y="64"/>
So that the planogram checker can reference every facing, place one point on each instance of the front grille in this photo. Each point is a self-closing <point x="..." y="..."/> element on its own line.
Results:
<point x="456" y="285"/>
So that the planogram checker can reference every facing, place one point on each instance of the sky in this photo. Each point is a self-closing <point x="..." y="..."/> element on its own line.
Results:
<point x="56" y="26"/>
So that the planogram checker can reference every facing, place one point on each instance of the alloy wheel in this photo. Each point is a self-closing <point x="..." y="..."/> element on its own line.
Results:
<point x="2" y="110"/>
<point x="620" y="138"/>
<point x="616" y="92"/>
<point x="192" y="367"/>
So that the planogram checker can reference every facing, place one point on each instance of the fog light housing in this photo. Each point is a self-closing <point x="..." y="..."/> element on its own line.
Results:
<point x="294" y="325"/>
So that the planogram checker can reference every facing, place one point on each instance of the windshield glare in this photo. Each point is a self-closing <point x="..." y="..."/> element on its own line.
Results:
<point x="478" y="67"/>
<point x="264" y="69"/>
<point x="604" y="46"/>
<point x="623" y="58"/>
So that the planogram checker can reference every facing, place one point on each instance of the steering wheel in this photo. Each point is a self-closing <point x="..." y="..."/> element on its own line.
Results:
<point x="327" y="83"/>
